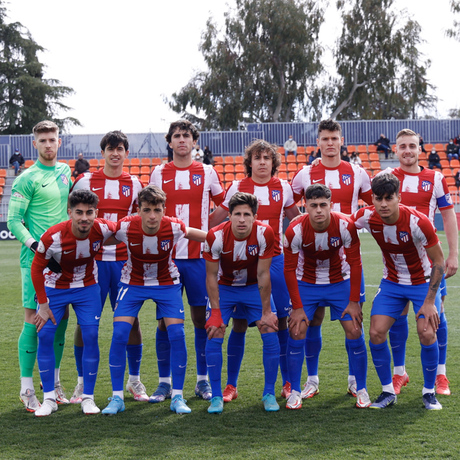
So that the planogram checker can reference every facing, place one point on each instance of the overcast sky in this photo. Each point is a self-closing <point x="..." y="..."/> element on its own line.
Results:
<point x="123" y="58"/>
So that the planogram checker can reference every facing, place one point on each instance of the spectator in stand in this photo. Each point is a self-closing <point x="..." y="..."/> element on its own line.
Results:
<point x="354" y="159"/>
<point x="290" y="146"/>
<point x="434" y="160"/>
<point x="383" y="145"/>
<point x="457" y="140"/>
<point x="207" y="159"/>
<point x="17" y="161"/>
<point x="457" y="178"/>
<point x="421" y="143"/>
<point x="198" y="154"/>
<point x="344" y="154"/>
<point x="452" y="150"/>
<point x="81" y="166"/>
<point x="311" y="157"/>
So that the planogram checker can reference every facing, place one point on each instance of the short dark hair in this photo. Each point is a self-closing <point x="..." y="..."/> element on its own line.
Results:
<point x="182" y="125"/>
<point x="114" y="139"/>
<point x="315" y="191"/>
<point x="258" y="146"/>
<point x="385" y="184"/>
<point x="83" y="196"/>
<point x="242" y="198"/>
<point x="45" y="126"/>
<point x="151" y="194"/>
<point x="329" y="125"/>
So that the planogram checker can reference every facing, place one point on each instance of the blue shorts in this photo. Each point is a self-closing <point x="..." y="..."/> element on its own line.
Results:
<point x="241" y="302"/>
<point x="168" y="299"/>
<point x="193" y="279"/>
<point x="109" y="273"/>
<point x="86" y="301"/>
<point x="280" y="291"/>
<point x="392" y="298"/>
<point x="443" y="286"/>
<point x="335" y="295"/>
<point x="362" y="292"/>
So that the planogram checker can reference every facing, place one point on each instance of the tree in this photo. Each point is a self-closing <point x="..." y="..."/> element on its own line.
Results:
<point x="26" y="97"/>
<point x="264" y="67"/>
<point x="455" y="31"/>
<point x="380" y="73"/>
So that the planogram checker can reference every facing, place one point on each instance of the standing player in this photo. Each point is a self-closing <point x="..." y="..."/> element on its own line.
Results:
<point x="150" y="273"/>
<point x="323" y="267"/>
<point x="238" y="254"/>
<point x="348" y="183"/>
<point x="38" y="201"/>
<point x="74" y="244"/>
<point x="188" y="185"/>
<point x="117" y="192"/>
<point x="425" y="190"/>
<point x="412" y="254"/>
<point x="275" y="201"/>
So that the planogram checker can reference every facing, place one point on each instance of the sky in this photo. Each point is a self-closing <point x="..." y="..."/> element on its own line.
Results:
<point x="124" y="58"/>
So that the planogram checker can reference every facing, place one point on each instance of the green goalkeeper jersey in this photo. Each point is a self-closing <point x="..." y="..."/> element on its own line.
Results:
<point x="38" y="201"/>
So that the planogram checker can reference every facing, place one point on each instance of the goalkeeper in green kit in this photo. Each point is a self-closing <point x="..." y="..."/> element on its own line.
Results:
<point x="38" y="201"/>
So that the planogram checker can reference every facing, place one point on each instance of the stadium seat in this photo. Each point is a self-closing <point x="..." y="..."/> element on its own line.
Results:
<point x="125" y="169"/>
<point x="301" y="160"/>
<point x="147" y="162"/>
<point x="450" y="181"/>
<point x="62" y="160"/>
<point x="455" y="163"/>
<point x="440" y="147"/>
<point x="221" y="176"/>
<point x="375" y="165"/>
<point x="28" y="163"/>
<point x="145" y="179"/>
<point x="428" y="147"/>
<point x="218" y="160"/>
<point x="422" y="156"/>
<point x="282" y="175"/>
<point x="364" y="156"/>
<point x="362" y="149"/>
<point x="229" y="160"/>
<point x="280" y="150"/>
<point x="2" y="181"/>
<point x="351" y="148"/>
<point x="372" y="148"/>
<point x="292" y="167"/>
<point x="145" y="170"/>
<point x="229" y="168"/>
<point x="240" y="176"/>
<point x="156" y="161"/>
<point x="239" y="168"/>
<point x="309" y="149"/>
<point x="126" y="162"/>
<point x="102" y="162"/>
<point x="447" y="172"/>
<point x="72" y="163"/>
<point x="282" y="167"/>
<point x="445" y="163"/>
<point x="135" y="162"/>
<point x="219" y="168"/>
<point x="291" y="175"/>
<point x="442" y="155"/>
<point x="229" y="177"/>
<point x="423" y="163"/>
<point x="374" y="157"/>
<point x="239" y="160"/>
<point x="94" y="163"/>
<point x="301" y="150"/>
<point x="366" y="164"/>
<point x="134" y="170"/>
<point x="291" y="159"/>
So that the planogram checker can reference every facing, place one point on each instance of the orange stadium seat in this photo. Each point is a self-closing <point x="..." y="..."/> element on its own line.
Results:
<point x="422" y="156"/>
<point x="442" y="155"/>
<point x="282" y="175"/>
<point x="134" y="170"/>
<point x="374" y="157"/>
<point x="445" y="163"/>
<point x="365" y="165"/>
<point x="145" y="179"/>
<point x="447" y="172"/>
<point x="375" y="165"/>
<point x="351" y="148"/>
<point x="455" y="163"/>
<point x="291" y="175"/>
<point x="440" y="147"/>
<point x="240" y="176"/>
<point x="2" y="181"/>
<point x="221" y="177"/>
<point x="146" y="161"/>
<point x="292" y="167"/>
<point x="282" y="167"/>
<point x="423" y="163"/>
<point x="63" y="160"/>
<point x="94" y="163"/>
<point x="229" y="177"/>
<point x="145" y="170"/>
<point x="2" y="172"/>
<point x="156" y="161"/>
<point x="135" y="162"/>
<point x="428" y="147"/>
<point x="125" y="169"/>
<point x="310" y="149"/>
<point x="239" y="168"/>
<point x="218" y="160"/>
<point x="364" y="156"/>
<point x="300" y="149"/>
<point x="362" y="149"/>
<point x="280" y="150"/>
<point x="239" y="160"/>
<point x="450" y="181"/>
<point x="291" y="159"/>
<point x="28" y="163"/>
<point x="372" y="148"/>
<point x="229" y="168"/>
<point x="126" y="162"/>
<point x="219" y="168"/>
<point x="102" y="162"/>
<point x="229" y="160"/>
<point x="301" y="160"/>
<point x="72" y="163"/>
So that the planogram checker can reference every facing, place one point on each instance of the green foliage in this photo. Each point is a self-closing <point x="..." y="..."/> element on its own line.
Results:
<point x="26" y="97"/>
<point x="454" y="32"/>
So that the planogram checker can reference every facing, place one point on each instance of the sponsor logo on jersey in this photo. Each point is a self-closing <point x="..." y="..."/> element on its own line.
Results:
<point x="97" y="245"/>
<point x="197" y="179"/>
<point x="276" y="195"/>
<point x="426" y="185"/>
<point x="17" y="195"/>
<point x="253" y="249"/>
<point x="404" y="237"/>
<point x="165" y="245"/>
<point x="346" y="179"/>
<point x="126" y="190"/>
<point x="335" y="241"/>
<point x="449" y="198"/>
<point x="64" y="179"/>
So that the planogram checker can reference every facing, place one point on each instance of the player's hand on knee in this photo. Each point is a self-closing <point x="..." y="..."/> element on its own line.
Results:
<point x="44" y="314"/>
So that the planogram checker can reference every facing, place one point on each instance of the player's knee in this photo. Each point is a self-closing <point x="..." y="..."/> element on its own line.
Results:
<point x="240" y="325"/>
<point x="377" y="336"/>
<point x="427" y="337"/>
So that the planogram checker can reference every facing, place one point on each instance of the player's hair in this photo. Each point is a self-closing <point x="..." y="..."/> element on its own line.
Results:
<point x="114" y="139"/>
<point x="182" y="125"/>
<point x="242" y="198"/>
<point x="329" y="125"/>
<point x="385" y="184"/>
<point x="315" y="191"/>
<point x="406" y="132"/>
<point x="259" y="146"/>
<point x="45" y="126"/>
<point x="152" y="195"/>
<point x="83" y="196"/>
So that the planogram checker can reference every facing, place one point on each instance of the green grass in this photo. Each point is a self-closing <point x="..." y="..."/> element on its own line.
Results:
<point x="327" y="427"/>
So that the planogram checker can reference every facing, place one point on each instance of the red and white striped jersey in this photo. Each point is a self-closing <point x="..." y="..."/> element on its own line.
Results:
<point x="348" y="184"/>
<point x="150" y="256"/>
<point x="117" y="199"/>
<point x="75" y="256"/>
<point x="424" y="191"/>
<point x="274" y="197"/>
<point x="403" y="244"/>
<point x="323" y="257"/>
<point x="188" y="193"/>
<point x="238" y="259"/>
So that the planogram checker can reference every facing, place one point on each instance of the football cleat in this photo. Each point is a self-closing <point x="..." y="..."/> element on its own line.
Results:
<point x="162" y="392"/>
<point x="88" y="406"/>
<point x="137" y="389"/>
<point x="400" y="381"/>
<point x="179" y="406"/>
<point x="286" y="391"/>
<point x="362" y="399"/>
<point x="294" y="401"/>
<point x="352" y="389"/>
<point x="203" y="390"/>
<point x="60" y="395"/>
<point x="230" y="393"/>
<point x="116" y="405"/>
<point x="310" y="389"/>
<point x="30" y="400"/>
<point x="77" y="394"/>
<point x="430" y="401"/>
<point x="385" y="399"/>
<point x="442" y="385"/>
<point x="217" y="405"/>
<point x="47" y="408"/>
<point x="270" y="404"/>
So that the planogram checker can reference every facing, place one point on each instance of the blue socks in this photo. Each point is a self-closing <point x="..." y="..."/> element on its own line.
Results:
<point x="163" y="353"/>
<point x="176" y="334"/>
<point x="214" y="363"/>
<point x="442" y="339"/>
<point x="295" y="356"/>
<point x="429" y="355"/>
<point x="283" y="336"/>
<point x="200" y="349"/>
<point x="235" y="352"/>
<point x="134" y="353"/>
<point x="271" y="360"/>
<point x="117" y="355"/>
<point x="313" y="346"/>
<point x="90" y="357"/>
<point x="398" y="334"/>
<point x="382" y="361"/>
<point x="357" y="359"/>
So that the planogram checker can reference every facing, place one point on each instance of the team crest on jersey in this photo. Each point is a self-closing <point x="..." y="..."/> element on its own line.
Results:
<point x="197" y="179"/>
<point x="64" y="179"/>
<point x="252" y="249"/>
<point x="404" y="237"/>
<point x="426" y="185"/>
<point x="97" y="245"/>
<point x="126" y="190"/>
<point x="335" y="241"/>
<point x="346" y="179"/>
<point x="165" y="245"/>
<point x="276" y="195"/>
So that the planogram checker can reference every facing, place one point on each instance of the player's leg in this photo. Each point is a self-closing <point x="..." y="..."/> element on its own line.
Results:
<point x="442" y="384"/>
<point x="398" y="334"/>
<point x="313" y="345"/>
<point x="59" y="342"/>
<point x="235" y="353"/>
<point x="163" y="350"/>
